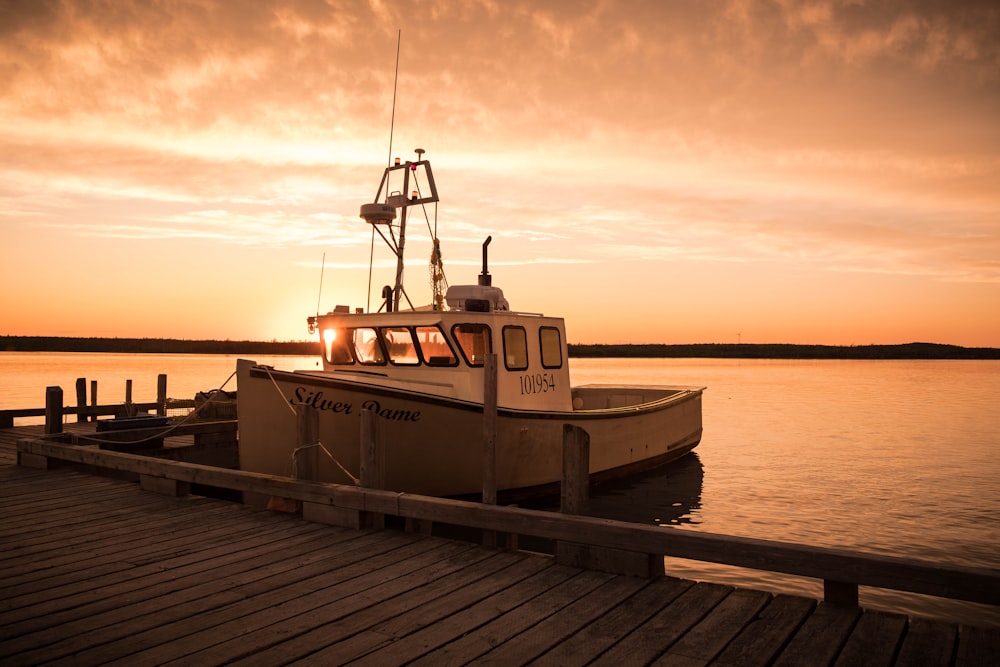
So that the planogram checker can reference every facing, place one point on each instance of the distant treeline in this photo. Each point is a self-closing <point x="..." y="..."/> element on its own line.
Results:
<point x="154" y="345"/>
<point x="786" y="351"/>
<point x="709" y="350"/>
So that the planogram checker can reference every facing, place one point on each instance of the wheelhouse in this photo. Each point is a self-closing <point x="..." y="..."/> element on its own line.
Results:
<point x="444" y="352"/>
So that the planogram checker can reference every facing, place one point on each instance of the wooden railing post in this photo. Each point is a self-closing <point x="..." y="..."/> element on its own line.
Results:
<point x="161" y="394"/>
<point x="53" y="410"/>
<point x="93" y="399"/>
<point x="372" y="473"/>
<point x="840" y="592"/>
<point x="81" y="399"/>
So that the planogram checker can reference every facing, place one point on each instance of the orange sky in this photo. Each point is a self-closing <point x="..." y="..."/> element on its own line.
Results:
<point x="675" y="172"/>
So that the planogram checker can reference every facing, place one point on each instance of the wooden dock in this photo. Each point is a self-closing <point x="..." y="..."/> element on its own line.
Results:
<point x="97" y="571"/>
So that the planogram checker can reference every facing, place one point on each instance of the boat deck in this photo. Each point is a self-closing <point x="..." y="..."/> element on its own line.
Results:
<point x="97" y="571"/>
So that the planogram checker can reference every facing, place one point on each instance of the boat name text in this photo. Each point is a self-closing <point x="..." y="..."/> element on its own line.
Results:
<point x="315" y="399"/>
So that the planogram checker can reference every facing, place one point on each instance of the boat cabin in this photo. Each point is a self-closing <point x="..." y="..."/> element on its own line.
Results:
<point x="443" y="352"/>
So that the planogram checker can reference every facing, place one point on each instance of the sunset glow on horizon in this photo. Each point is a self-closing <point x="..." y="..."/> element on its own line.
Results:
<point x="767" y="171"/>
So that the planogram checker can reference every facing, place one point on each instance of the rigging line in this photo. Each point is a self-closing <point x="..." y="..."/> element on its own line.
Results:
<point x="319" y="296"/>
<point x="392" y="121"/>
<point x="423" y="208"/>
<point x="371" y="259"/>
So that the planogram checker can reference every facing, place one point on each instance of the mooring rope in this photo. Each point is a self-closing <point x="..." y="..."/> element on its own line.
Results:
<point x="301" y="447"/>
<point x="295" y="468"/>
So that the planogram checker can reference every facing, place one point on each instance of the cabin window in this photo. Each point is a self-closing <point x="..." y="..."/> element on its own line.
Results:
<point x="367" y="347"/>
<point x="474" y="340"/>
<point x="515" y="348"/>
<point x="337" y="347"/>
<point x="550" y="343"/>
<point x="434" y="347"/>
<point x="400" y="346"/>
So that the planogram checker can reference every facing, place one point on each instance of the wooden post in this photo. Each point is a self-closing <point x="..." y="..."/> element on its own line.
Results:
<point x="490" y="440"/>
<point x="575" y="488"/>
<point x="372" y="474"/>
<point x="305" y="464"/>
<point x="306" y="436"/>
<point x="53" y="410"/>
<point x="129" y="412"/>
<point x="574" y="498"/>
<point x="161" y="394"/>
<point x="81" y="399"/>
<point x="93" y="399"/>
<point x="840" y="592"/>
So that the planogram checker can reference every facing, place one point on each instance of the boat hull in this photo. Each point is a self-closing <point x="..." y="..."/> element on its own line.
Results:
<point x="433" y="444"/>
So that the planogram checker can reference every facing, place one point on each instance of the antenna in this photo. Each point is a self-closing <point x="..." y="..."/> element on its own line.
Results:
<point x="395" y="80"/>
<point x="320" y="295"/>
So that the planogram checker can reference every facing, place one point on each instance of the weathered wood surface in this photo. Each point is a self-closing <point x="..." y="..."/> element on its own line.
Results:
<point x="96" y="571"/>
<point x="973" y="584"/>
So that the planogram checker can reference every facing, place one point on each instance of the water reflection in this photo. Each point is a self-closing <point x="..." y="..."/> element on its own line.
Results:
<point x="667" y="495"/>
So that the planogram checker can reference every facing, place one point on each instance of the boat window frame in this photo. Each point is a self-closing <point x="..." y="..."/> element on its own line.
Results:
<point x="381" y="357"/>
<point x="506" y="355"/>
<point x="471" y="360"/>
<point x="435" y="361"/>
<point x="346" y="344"/>
<point x="542" y="348"/>
<point x="413" y="341"/>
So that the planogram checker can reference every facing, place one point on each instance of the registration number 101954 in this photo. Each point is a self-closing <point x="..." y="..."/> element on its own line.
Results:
<point x="537" y="383"/>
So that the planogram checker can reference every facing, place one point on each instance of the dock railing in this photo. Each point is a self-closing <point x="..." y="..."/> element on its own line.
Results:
<point x="842" y="571"/>
<point x="55" y="410"/>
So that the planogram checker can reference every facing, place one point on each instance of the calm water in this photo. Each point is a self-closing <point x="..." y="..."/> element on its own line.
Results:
<point x="891" y="457"/>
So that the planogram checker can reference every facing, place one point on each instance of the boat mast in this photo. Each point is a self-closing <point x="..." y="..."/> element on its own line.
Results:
<point x="384" y="212"/>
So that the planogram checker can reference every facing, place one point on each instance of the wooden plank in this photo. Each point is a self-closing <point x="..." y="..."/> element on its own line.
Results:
<point x="711" y="635"/>
<point x="819" y="639"/>
<point x="458" y="639"/>
<point x="506" y="626"/>
<point x="45" y="565"/>
<point x="874" y="640"/>
<point x="928" y="644"/>
<point x="614" y="624"/>
<point x="257" y="622"/>
<point x="567" y="621"/>
<point x="977" y="647"/>
<point x="88" y="595"/>
<point x="169" y="629"/>
<point x="764" y="637"/>
<point x="405" y="625"/>
<point x="114" y="524"/>
<point x="353" y="627"/>
<point x="185" y="582"/>
<point x="651" y="638"/>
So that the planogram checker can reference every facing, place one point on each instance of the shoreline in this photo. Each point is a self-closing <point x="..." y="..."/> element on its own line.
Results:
<point x="576" y="350"/>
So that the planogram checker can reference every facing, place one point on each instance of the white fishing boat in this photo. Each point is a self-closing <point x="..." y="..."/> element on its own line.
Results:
<point x="424" y="372"/>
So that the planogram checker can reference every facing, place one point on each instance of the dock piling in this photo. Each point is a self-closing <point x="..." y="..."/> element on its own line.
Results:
<point x="53" y="410"/>
<point x="573" y="499"/>
<point x="81" y="399"/>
